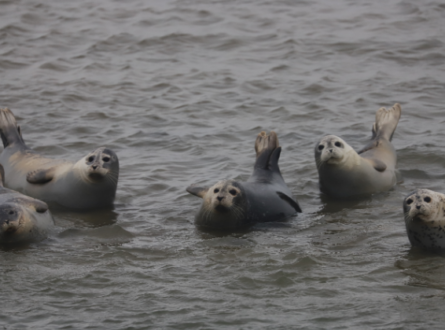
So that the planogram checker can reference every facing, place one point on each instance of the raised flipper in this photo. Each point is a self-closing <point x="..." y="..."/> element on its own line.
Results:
<point x="386" y="122"/>
<point x="40" y="176"/>
<point x="197" y="190"/>
<point x="9" y="131"/>
<point x="384" y="127"/>
<point x="290" y="200"/>
<point x="377" y="164"/>
<point x="265" y="145"/>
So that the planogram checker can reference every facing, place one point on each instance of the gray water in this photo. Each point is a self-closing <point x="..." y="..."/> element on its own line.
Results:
<point x="179" y="90"/>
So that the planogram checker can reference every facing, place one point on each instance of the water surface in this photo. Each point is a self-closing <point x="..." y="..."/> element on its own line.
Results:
<point x="179" y="90"/>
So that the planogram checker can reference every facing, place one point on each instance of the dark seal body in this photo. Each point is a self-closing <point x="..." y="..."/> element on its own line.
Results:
<point x="264" y="197"/>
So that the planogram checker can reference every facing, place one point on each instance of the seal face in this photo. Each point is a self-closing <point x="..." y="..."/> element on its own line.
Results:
<point x="22" y="218"/>
<point x="345" y="173"/>
<point x="424" y="212"/>
<point x="230" y="204"/>
<point x="88" y="183"/>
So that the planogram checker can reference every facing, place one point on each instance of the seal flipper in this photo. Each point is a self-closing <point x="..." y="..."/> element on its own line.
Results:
<point x="386" y="122"/>
<point x="197" y="190"/>
<point x="377" y="164"/>
<point x="289" y="200"/>
<point x="40" y="176"/>
<point x="384" y="127"/>
<point x="9" y="130"/>
<point x="265" y="145"/>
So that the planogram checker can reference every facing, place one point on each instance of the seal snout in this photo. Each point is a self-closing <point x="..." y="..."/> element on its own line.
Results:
<point x="9" y="219"/>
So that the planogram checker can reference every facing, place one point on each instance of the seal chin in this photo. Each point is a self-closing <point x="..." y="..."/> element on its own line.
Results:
<point x="96" y="177"/>
<point x="222" y="209"/>
<point x="10" y="230"/>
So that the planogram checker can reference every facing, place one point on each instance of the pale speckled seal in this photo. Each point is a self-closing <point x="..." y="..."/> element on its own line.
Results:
<point x="89" y="183"/>
<point x="264" y="197"/>
<point x="22" y="218"/>
<point x="345" y="173"/>
<point x="424" y="212"/>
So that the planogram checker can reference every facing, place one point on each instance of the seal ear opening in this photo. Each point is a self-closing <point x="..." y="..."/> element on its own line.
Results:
<point x="197" y="190"/>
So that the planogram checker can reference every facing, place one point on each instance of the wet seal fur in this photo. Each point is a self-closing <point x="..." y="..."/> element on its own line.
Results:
<point x="265" y="197"/>
<point x="345" y="173"/>
<point x="424" y="212"/>
<point x="22" y="218"/>
<point x="89" y="183"/>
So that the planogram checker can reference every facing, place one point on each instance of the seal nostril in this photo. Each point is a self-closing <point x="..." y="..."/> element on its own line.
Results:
<point x="220" y="198"/>
<point x="418" y="207"/>
<point x="94" y="167"/>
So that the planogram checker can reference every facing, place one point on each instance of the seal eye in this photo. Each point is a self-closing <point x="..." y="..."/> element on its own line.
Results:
<point x="216" y="190"/>
<point x="320" y="147"/>
<point x="106" y="159"/>
<point x="232" y="192"/>
<point x="427" y="199"/>
<point x="338" y="144"/>
<point x="409" y="201"/>
<point x="91" y="158"/>
<point x="11" y="212"/>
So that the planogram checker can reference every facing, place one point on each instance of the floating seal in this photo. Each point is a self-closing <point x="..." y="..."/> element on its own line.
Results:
<point x="264" y="197"/>
<point x="89" y="183"/>
<point x="424" y="212"/>
<point x="22" y="218"/>
<point x="345" y="173"/>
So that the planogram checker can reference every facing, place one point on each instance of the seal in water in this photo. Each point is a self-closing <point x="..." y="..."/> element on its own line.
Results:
<point x="264" y="197"/>
<point x="22" y="218"/>
<point x="89" y="183"/>
<point x="345" y="173"/>
<point x="424" y="212"/>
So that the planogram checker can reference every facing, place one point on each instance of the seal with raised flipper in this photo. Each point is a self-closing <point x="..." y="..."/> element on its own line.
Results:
<point x="345" y="173"/>
<point x="265" y="197"/>
<point x="424" y="212"/>
<point x="22" y="218"/>
<point x="89" y="183"/>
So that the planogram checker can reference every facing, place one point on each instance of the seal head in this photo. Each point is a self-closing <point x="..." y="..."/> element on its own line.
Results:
<point x="22" y="218"/>
<point x="223" y="203"/>
<point x="99" y="165"/>
<point x="424" y="212"/>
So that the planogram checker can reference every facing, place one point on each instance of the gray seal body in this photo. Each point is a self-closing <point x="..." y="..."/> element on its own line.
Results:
<point x="89" y="183"/>
<point x="264" y="197"/>
<point x="424" y="212"/>
<point x="345" y="173"/>
<point x="22" y="218"/>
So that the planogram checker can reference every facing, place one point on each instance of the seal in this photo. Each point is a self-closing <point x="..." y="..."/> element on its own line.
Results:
<point x="345" y="173"/>
<point x="22" y="218"/>
<point x="424" y="212"/>
<point x="89" y="183"/>
<point x="265" y="197"/>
